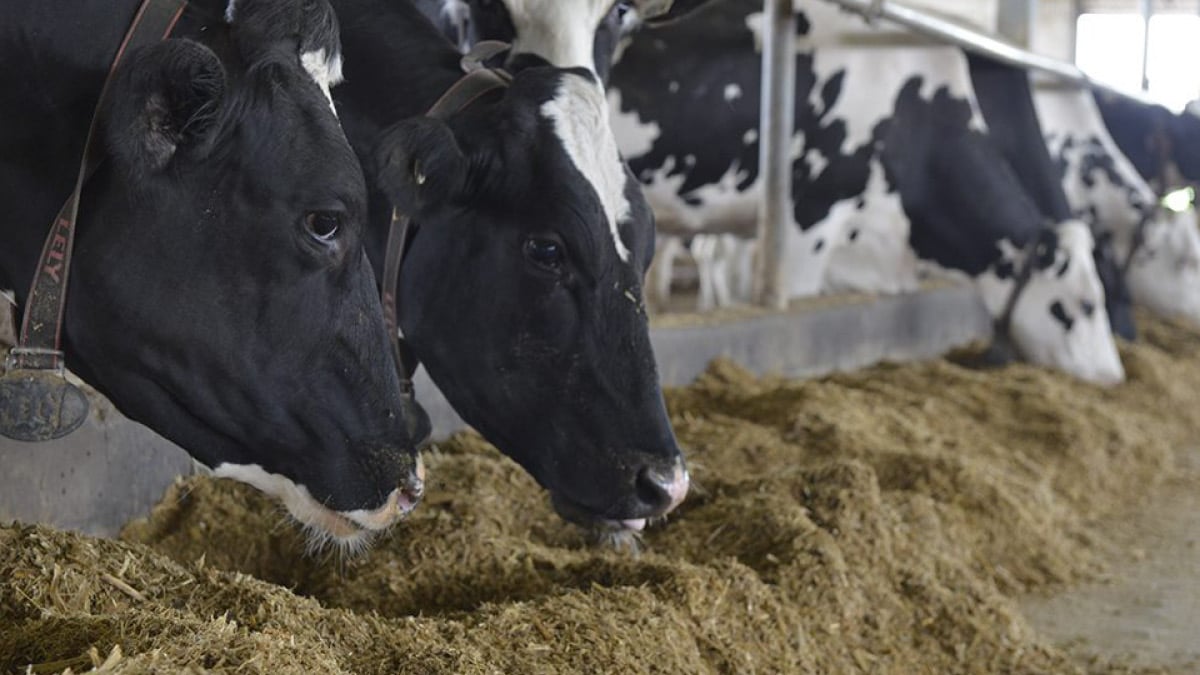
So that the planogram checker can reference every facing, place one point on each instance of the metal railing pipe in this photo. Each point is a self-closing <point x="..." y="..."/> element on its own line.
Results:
<point x="980" y="43"/>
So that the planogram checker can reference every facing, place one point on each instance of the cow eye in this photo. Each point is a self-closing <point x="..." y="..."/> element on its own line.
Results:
<point x="545" y="253"/>
<point x="323" y="225"/>
<point x="623" y="8"/>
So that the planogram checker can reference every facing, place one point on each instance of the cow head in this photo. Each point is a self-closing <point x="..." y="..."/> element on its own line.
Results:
<point x="1104" y="186"/>
<point x="521" y="291"/>
<point x="1104" y="189"/>
<point x="221" y="294"/>
<point x="1059" y="319"/>
<point x="1164" y="272"/>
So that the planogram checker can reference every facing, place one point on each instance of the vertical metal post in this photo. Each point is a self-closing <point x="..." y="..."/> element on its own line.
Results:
<point x="776" y="124"/>
<point x="1147" y="12"/>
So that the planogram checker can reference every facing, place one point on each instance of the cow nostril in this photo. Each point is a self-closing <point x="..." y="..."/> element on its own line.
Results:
<point x="652" y="489"/>
<point x="662" y="491"/>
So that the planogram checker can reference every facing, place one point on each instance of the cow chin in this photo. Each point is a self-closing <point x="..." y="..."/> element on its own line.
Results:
<point x="574" y="513"/>
<point x="349" y="532"/>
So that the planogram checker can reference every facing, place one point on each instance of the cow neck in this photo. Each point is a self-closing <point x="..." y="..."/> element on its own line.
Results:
<point x="477" y="81"/>
<point x="38" y="352"/>
<point x="1162" y="149"/>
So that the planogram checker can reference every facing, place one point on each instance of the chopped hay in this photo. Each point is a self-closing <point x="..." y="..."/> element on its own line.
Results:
<point x="875" y="522"/>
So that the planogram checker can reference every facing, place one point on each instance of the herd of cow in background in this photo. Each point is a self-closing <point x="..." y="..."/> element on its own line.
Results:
<point x="909" y="160"/>
<point x="230" y="246"/>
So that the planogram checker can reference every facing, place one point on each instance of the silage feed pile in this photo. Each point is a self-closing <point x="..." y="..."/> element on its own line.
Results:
<point x="876" y="522"/>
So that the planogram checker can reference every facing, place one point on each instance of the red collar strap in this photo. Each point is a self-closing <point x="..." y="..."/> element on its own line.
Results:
<point x="36" y="402"/>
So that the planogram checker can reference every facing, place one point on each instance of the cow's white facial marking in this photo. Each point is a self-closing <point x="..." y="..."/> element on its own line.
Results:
<point x="581" y="122"/>
<point x="350" y="531"/>
<point x="326" y="71"/>
<point x="559" y="31"/>
<point x="732" y="92"/>
<point x="1059" y="319"/>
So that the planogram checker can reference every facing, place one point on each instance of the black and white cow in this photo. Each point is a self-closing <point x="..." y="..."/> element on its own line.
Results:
<point x="521" y="289"/>
<point x="220" y="293"/>
<point x="892" y="158"/>
<point x="1163" y="146"/>
<point x="1005" y="98"/>
<point x="1103" y="186"/>
<point x="558" y="32"/>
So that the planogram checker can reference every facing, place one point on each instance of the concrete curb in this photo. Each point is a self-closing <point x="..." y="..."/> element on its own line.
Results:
<point x="113" y="470"/>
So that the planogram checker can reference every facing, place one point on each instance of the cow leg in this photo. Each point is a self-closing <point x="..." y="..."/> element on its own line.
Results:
<point x="662" y="269"/>
<point x="721" y="270"/>
<point x="743" y="269"/>
<point x="703" y="250"/>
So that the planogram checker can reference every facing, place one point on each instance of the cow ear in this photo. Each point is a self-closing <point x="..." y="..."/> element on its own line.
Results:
<point x="418" y="163"/>
<point x="164" y="98"/>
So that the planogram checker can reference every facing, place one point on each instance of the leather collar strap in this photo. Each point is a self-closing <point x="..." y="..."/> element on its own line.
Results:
<point x="1160" y="145"/>
<point x="1139" y="239"/>
<point x="39" y="347"/>
<point x="37" y="403"/>
<point x="1003" y="324"/>
<point x="478" y="81"/>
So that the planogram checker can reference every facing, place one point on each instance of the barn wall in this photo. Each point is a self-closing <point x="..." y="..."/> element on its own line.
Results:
<point x="978" y="13"/>
<point x="1054" y="29"/>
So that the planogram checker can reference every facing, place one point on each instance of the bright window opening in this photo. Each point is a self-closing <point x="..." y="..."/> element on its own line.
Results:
<point x="1174" y="55"/>
<point x="1108" y="47"/>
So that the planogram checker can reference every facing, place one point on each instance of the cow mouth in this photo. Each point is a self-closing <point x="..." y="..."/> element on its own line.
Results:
<point x="573" y="512"/>
<point x="348" y="531"/>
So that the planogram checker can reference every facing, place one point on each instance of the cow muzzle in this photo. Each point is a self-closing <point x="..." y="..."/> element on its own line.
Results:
<point x="399" y="503"/>
<point x="350" y="531"/>
<point x="657" y="491"/>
